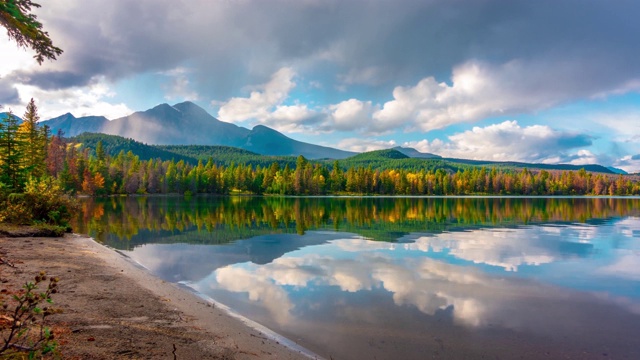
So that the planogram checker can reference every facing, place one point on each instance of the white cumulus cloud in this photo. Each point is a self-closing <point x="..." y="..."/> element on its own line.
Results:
<point x="93" y="99"/>
<point x="508" y="141"/>
<point x="350" y="114"/>
<point x="363" y="144"/>
<point x="478" y="90"/>
<point x="265" y="105"/>
<point x="261" y="101"/>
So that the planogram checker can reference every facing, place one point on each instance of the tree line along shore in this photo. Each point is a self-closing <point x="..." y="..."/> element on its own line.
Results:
<point x="38" y="167"/>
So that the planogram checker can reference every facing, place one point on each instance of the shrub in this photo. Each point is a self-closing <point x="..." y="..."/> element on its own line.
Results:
<point x="43" y="202"/>
<point x="24" y="327"/>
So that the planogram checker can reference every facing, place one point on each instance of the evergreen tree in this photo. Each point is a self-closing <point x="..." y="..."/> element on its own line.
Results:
<point x="11" y="157"/>
<point x="34" y="141"/>
<point x="24" y="28"/>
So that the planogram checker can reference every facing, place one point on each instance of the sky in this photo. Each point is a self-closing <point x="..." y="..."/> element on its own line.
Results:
<point x="551" y="81"/>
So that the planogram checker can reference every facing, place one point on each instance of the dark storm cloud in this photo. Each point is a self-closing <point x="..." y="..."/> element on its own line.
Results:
<point x="8" y="94"/>
<point x="231" y="44"/>
<point x="52" y="80"/>
<point x="635" y="157"/>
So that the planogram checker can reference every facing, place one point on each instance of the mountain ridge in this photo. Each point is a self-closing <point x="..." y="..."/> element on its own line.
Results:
<point x="188" y="124"/>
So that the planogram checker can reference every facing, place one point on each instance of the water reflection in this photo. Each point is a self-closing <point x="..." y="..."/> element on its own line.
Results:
<point x="346" y="284"/>
<point x="455" y="278"/>
<point x="127" y="222"/>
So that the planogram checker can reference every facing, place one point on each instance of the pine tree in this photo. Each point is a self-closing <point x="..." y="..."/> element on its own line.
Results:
<point x="34" y="141"/>
<point x="11" y="158"/>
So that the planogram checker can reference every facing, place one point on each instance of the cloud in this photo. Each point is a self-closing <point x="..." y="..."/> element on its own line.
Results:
<point x="179" y="86"/>
<point x="259" y="288"/>
<point x="624" y="123"/>
<point x="265" y="105"/>
<point x="51" y="80"/>
<point x="508" y="141"/>
<point x="8" y="93"/>
<point x="496" y="247"/>
<point x="83" y="101"/>
<point x="473" y="297"/>
<point x="14" y="58"/>
<point x="628" y="163"/>
<point x="350" y="114"/>
<point x="427" y="284"/>
<point x="371" y="75"/>
<point x="261" y="101"/>
<point x="230" y="44"/>
<point x="363" y="145"/>
<point x="479" y="90"/>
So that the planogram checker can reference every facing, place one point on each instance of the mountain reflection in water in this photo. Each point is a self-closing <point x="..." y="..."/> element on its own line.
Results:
<point x="402" y="277"/>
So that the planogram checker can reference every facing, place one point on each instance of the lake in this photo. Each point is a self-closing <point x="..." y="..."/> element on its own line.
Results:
<point x="401" y="278"/>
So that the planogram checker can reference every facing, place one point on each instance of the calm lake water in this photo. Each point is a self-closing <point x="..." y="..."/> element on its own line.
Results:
<point x="401" y="278"/>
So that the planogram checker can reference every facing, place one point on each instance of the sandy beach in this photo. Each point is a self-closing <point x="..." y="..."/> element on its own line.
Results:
<point x="114" y="309"/>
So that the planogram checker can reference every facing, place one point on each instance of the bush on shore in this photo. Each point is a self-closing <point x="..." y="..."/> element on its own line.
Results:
<point x="43" y="204"/>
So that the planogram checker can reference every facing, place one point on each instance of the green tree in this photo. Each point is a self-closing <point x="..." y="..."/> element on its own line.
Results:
<point x="34" y="141"/>
<point x="11" y="158"/>
<point x="24" y="28"/>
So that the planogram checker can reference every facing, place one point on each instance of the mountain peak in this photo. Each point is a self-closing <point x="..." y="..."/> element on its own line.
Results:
<point x="263" y="130"/>
<point x="187" y="123"/>
<point x="192" y="109"/>
<point x="66" y="116"/>
<point x="187" y="104"/>
<point x="163" y="106"/>
<point x="411" y="152"/>
<point x="164" y="111"/>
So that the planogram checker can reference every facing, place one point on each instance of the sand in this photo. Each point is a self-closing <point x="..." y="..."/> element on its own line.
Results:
<point x="115" y="309"/>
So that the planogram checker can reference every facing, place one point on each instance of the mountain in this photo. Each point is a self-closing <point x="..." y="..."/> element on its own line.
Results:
<point x="379" y="155"/>
<point x="530" y="166"/>
<point x="413" y="153"/>
<point x="72" y="126"/>
<point x="394" y="159"/>
<point x="113" y="144"/>
<point x="615" y="170"/>
<point x="182" y="124"/>
<point x="188" y="124"/>
<point x="4" y="115"/>
<point x="266" y="141"/>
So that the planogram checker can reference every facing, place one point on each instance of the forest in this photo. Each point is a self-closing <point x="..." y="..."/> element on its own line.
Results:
<point x="28" y="151"/>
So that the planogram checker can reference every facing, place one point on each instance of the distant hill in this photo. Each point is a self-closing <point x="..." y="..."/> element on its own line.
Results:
<point x="377" y="160"/>
<point x="520" y="165"/>
<point x="188" y="124"/>
<point x="225" y="155"/>
<point x="413" y="153"/>
<point x="266" y="141"/>
<point x="72" y="126"/>
<point x="394" y="159"/>
<point x="4" y="115"/>
<point x="113" y="144"/>
<point x="616" y="170"/>
<point x="379" y="154"/>
<point x="221" y="155"/>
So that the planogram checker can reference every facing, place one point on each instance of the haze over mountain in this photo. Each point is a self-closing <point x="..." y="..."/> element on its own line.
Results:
<point x="413" y="153"/>
<point x="188" y="124"/>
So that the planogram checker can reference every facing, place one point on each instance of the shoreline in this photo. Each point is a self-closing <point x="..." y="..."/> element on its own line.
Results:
<point x="252" y="325"/>
<point x="114" y="308"/>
